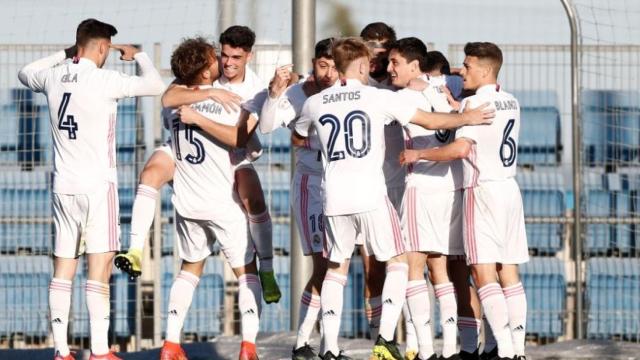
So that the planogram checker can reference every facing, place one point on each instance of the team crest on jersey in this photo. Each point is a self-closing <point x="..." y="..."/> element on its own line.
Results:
<point x="316" y="239"/>
<point x="284" y="104"/>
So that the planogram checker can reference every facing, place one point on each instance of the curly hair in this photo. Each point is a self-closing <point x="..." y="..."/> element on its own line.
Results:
<point x="190" y="58"/>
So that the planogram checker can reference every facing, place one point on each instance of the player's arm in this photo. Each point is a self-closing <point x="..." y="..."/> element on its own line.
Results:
<point x="33" y="76"/>
<point x="234" y="136"/>
<point x="436" y="121"/>
<point x="273" y="115"/>
<point x="149" y="83"/>
<point x="459" y="149"/>
<point x="178" y="95"/>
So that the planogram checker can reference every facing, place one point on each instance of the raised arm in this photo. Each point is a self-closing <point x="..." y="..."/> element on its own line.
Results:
<point x="437" y="121"/>
<point x="234" y="136"/>
<point x="148" y="84"/>
<point x="31" y="75"/>
<point x="459" y="149"/>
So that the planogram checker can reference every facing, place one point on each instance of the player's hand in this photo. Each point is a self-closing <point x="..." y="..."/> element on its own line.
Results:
<point x="71" y="51"/>
<point x="126" y="51"/>
<point x="454" y="104"/>
<point x="417" y="84"/>
<point x="188" y="115"/>
<point x="229" y="101"/>
<point x="409" y="156"/>
<point x="479" y="115"/>
<point x="280" y="81"/>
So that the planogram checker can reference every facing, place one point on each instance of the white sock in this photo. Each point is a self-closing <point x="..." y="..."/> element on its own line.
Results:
<point x="489" y="340"/>
<point x="420" y="308"/>
<point x="331" y="298"/>
<point x="309" y="310"/>
<point x="393" y="291"/>
<point x="373" y="310"/>
<point x="180" y="298"/>
<point x="261" y="231"/>
<point x="517" y="308"/>
<point x="410" y="330"/>
<point x="446" y="295"/>
<point x="99" y="313"/>
<point x="469" y="329"/>
<point x="59" y="305"/>
<point x="142" y="214"/>
<point x="250" y="305"/>
<point x="495" y="309"/>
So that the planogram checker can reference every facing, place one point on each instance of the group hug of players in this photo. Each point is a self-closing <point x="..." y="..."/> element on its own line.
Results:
<point x="393" y="154"/>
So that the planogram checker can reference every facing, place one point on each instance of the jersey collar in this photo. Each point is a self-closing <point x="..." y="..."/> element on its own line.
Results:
<point x="486" y="89"/>
<point x="347" y="82"/>
<point x="84" y="62"/>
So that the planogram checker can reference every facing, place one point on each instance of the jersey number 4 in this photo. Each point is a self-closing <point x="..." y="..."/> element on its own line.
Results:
<point x="66" y="121"/>
<point x="508" y="146"/>
<point x="349" y="139"/>
<point x="189" y="136"/>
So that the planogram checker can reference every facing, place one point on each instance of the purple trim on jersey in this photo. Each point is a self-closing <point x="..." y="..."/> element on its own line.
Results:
<point x="304" y="207"/>
<point x="395" y="224"/>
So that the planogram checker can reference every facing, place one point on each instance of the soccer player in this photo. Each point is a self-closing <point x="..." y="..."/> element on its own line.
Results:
<point x="237" y="43"/>
<point x="349" y="118"/>
<point x="378" y="36"/>
<point x="282" y="108"/>
<point x="494" y="233"/>
<point x="207" y="208"/>
<point x="82" y="99"/>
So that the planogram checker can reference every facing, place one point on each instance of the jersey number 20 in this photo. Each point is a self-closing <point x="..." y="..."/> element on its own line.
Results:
<point x="350" y="147"/>
<point x="508" y="146"/>
<point x="67" y="122"/>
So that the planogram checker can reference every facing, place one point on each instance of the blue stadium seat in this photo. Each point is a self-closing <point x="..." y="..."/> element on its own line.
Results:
<point x="275" y="317"/>
<point x="278" y="139"/>
<point x="126" y="123"/>
<point x="543" y="195"/>
<point x="354" y="321"/>
<point x="207" y="308"/>
<point x="279" y="200"/>
<point x="24" y="295"/>
<point x="599" y="236"/>
<point x="539" y="141"/>
<point x="282" y="237"/>
<point x="25" y="194"/>
<point x="37" y="238"/>
<point x="613" y="290"/>
<point x="122" y="299"/>
<point x="545" y="287"/>
<point x="611" y="121"/>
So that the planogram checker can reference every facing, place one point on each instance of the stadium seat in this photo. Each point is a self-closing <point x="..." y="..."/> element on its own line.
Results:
<point x="354" y="321"/>
<point x="543" y="195"/>
<point x="207" y="308"/>
<point x="275" y="317"/>
<point x="611" y="123"/>
<point x="539" y="142"/>
<point x="282" y="237"/>
<point x="613" y="290"/>
<point x="24" y="295"/>
<point x="126" y="127"/>
<point x="543" y="279"/>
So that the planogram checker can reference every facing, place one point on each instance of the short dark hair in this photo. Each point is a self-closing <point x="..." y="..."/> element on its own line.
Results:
<point x="90" y="29"/>
<point x="411" y="48"/>
<point x="485" y="51"/>
<point x="436" y="60"/>
<point x="238" y="36"/>
<point x="323" y="48"/>
<point x="190" y="58"/>
<point x="378" y="31"/>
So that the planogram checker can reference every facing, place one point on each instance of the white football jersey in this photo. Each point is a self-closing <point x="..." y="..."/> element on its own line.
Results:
<point x="493" y="155"/>
<point x="82" y="100"/>
<point x="285" y="111"/>
<point x="350" y="119"/>
<point x="434" y="175"/>
<point x="204" y="176"/>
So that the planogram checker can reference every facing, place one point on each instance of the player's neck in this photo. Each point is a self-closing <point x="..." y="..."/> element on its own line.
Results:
<point x="238" y="79"/>
<point x="89" y="55"/>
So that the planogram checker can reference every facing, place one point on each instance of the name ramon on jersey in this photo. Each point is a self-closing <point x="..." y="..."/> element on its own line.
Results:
<point x="342" y="96"/>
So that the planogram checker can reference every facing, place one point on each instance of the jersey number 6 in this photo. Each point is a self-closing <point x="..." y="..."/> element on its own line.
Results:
<point x="508" y="155"/>
<point x="349" y="139"/>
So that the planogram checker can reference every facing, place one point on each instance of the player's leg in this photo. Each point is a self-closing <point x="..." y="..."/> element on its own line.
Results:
<point x="446" y="295"/>
<point x="469" y="318"/>
<point x="66" y="238"/>
<point x="516" y="304"/>
<point x="260" y="228"/>
<point x="340" y="242"/>
<point x="157" y="171"/>
<point x="374" y="275"/>
<point x="419" y="303"/>
<point x="483" y="251"/>
<point x="98" y="295"/>
<point x="306" y="203"/>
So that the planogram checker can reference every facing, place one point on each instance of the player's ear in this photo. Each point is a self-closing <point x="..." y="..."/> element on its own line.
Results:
<point x="249" y="56"/>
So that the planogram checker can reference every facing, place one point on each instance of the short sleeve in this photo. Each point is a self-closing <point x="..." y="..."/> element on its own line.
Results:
<point x="469" y="132"/>
<point x="304" y="122"/>
<point x="396" y="107"/>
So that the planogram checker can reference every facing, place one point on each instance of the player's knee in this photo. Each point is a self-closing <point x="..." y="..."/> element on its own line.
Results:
<point x="254" y="205"/>
<point x="154" y="176"/>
